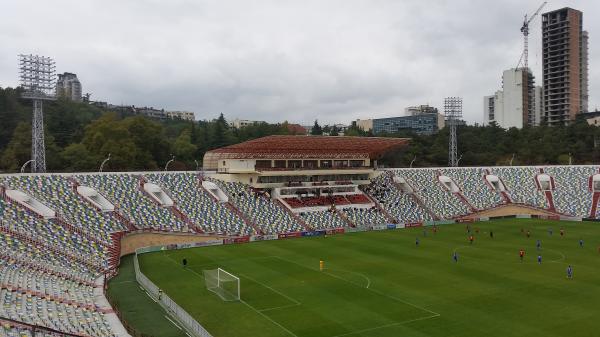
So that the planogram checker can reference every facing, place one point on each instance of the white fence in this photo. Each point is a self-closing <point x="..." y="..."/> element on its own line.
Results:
<point x="190" y="324"/>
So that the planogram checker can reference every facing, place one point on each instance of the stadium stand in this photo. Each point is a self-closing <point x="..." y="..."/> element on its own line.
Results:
<point x="213" y="217"/>
<point x="124" y="191"/>
<point x="520" y="182"/>
<point x="400" y="205"/>
<point x="364" y="216"/>
<point x="572" y="194"/>
<point x="51" y="267"/>
<point x="427" y="187"/>
<point x="323" y="220"/>
<point x="473" y="185"/>
<point x="269" y="216"/>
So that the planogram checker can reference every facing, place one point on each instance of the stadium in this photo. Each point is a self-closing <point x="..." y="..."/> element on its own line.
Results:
<point x="301" y="236"/>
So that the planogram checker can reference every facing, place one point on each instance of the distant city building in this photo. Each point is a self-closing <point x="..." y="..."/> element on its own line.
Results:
<point x="592" y="118"/>
<point x="185" y="115"/>
<point x="423" y="124"/>
<point x="240" y="123"/>
<point x="421" y="119"/>
<point x="565" y="65"/>
<point x="420" y="109"/>
<point x="147" y="111"/>
<point x="514" y="105"/>
<point x="69" y="87"/>
<point x="365" y="124"/>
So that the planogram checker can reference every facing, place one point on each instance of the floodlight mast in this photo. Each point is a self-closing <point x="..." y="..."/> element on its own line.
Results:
<point x="37" y="75"/>
<point x="453" y="113"/>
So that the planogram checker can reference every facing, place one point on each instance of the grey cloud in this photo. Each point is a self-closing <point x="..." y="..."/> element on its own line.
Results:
<point x="282" y="60"/>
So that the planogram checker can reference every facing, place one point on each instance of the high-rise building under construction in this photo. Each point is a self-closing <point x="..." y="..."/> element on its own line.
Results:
<point x="565" y="65"/>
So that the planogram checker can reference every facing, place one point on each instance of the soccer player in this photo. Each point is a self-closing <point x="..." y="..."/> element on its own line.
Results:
<point x="434" y="229"/>
<point x="471" y="238"/>
<point x="455" y="257"/>
<point x="581" y="243"/>
<point x="417" y="242"/>
<point x="562" y="232"/>
<point x="538" y="244"/>
<point x="528" y="233"/>
<point x="539" y="259"/>
<point x="550" y="231"/>
<point x="569" y="272"/>
<point x="184" y="262"/>
<point x="491" y="234"/>
<point x="521" y="254"/>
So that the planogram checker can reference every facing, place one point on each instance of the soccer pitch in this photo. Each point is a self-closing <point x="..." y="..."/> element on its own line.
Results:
<point x="381" y="283"/>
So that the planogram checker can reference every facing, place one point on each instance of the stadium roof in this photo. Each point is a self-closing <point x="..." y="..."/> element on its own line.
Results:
<point x="300" y="147"/>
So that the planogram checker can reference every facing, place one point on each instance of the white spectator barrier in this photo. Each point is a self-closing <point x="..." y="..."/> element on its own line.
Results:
<point x="190" y="324"/>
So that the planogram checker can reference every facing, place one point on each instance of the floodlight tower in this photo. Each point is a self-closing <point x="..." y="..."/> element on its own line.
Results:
<point x="37" y="79"/>
<point x="453" y="113"/>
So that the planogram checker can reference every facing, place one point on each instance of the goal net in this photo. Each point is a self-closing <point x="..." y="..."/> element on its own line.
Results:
<point x="222" y="283"/>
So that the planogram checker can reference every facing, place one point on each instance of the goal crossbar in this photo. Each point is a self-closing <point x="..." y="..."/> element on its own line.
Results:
<point x="222" y="283"/>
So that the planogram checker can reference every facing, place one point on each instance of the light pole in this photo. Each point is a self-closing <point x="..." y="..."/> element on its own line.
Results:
<point x="511" y="159"/>
<point x="570" y="159"/>
<point x="195" y="161"/>
<point x="169" y="162"/>
<point x="27" y="162"/>
<point x="104" y="162"/>
<point x="412" y="161"/>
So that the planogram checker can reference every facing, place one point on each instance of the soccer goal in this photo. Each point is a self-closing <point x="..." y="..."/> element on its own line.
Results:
<point x="222" y="283"/>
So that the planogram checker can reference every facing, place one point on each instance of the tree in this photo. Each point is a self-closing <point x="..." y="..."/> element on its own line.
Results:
<point x="316" y="129"/>
<point x="183" y="148"/>
<point x="334" y="131"/>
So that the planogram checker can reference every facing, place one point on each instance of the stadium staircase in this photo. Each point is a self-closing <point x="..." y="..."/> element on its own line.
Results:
<point x="179" y="214"/>
<point x="503" y="194"/>
<point x="595" y="197"/>
<point x="418" y="200"/>
<point x="239" y="213"/>
<point x="548" y="194"/>
<point x="44" y="246"/>
<point x="114" y="251"/>
<point x="462" y="197"/>
<point x="344" y="217"/>
<point x="294" y="216"/>
<point x="385" y="213"/>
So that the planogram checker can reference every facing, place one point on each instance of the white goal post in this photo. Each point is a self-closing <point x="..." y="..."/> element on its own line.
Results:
<point x="222" y="283"/>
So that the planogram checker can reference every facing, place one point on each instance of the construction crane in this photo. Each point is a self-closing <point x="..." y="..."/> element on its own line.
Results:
<point x="525" y="31"/>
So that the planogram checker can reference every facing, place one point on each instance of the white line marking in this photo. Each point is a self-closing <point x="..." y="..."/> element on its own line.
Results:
<point x="170" y="320"/>
<point x="269" y="318"/>
<point x="352" y="272"/>
<point x="386" y="326"/>
<point x="266" y="286"/>
<point x="369" y="289"/>
<point x="281" y="307"/>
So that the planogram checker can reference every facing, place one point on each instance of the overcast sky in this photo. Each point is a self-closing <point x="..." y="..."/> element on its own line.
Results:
<point x="301" y="60"/>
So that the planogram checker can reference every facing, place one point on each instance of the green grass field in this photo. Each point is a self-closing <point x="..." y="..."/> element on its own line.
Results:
<point x="381" y="284"/>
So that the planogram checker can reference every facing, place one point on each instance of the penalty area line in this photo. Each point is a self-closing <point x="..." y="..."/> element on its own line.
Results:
<point x="433" y="313"/>
<point x="269" y="318"/>
<point x="387" y="326"/>
<point x="266" y="286"/>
